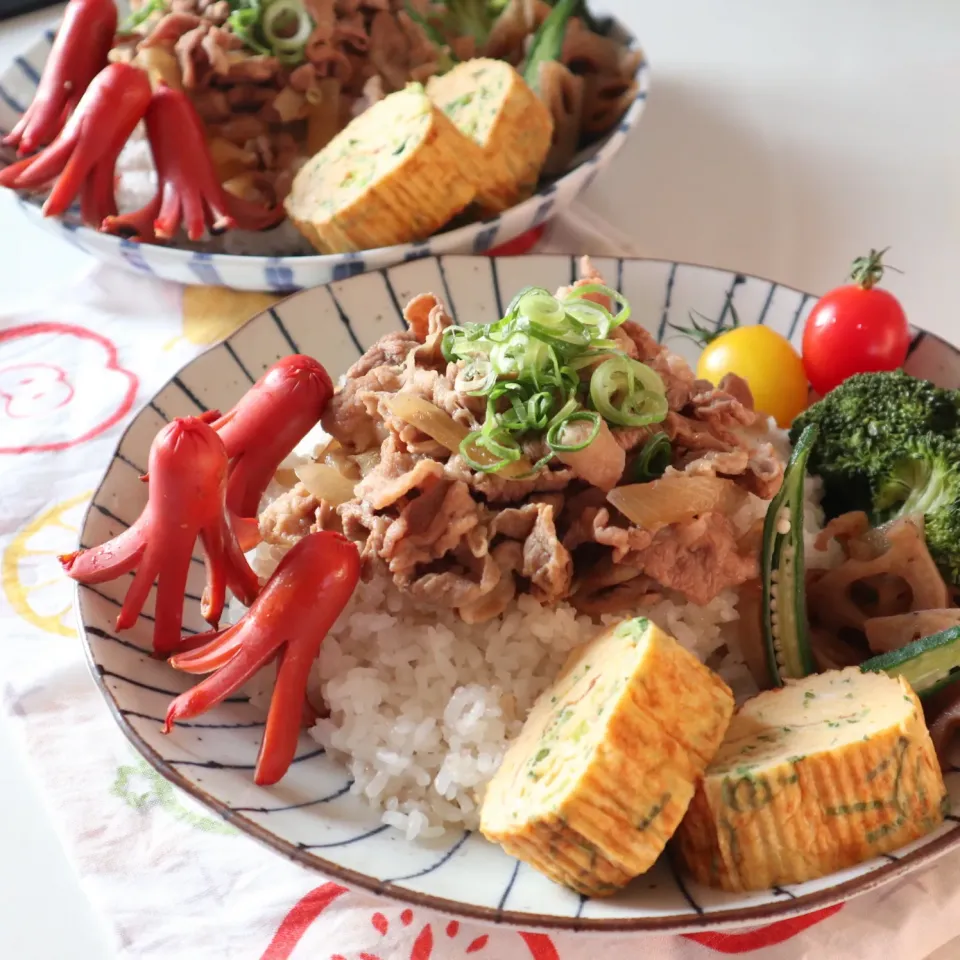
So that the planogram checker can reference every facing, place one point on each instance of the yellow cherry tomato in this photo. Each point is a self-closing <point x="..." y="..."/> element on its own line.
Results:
<point x="768" y="363"/>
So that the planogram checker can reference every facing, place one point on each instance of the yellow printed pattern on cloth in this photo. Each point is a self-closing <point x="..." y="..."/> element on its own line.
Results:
<point x="210" y="314"/>
<point x="33" y="582"/>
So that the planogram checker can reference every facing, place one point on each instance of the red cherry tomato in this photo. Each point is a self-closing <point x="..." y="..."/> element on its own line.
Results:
<point x="856" y="328"/>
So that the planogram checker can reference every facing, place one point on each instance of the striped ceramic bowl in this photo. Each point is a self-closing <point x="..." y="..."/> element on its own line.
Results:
<point x="313" y="817"/>
<point x="18" y="84"/>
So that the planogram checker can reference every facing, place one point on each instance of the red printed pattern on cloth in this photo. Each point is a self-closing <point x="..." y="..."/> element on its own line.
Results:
<point x="32" y="389"/>
<point x="761" y="937"/>
<point x="296" y="923"/>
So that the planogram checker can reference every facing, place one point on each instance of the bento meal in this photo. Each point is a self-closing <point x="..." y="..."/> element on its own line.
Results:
<point x="538" y="578"/>
<point x="294" y="126"/>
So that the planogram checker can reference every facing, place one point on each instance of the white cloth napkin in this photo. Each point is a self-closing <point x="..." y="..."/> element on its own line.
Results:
<point x="169" y="880"/>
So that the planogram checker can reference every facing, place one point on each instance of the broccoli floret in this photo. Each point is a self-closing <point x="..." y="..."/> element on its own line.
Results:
<point x="866" y="425"/>
<point x="926" y="480"/>
<point x="889" y="445"/>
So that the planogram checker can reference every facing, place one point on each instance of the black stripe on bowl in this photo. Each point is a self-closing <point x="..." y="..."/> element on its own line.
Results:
<point x="682" y="886"/>
<point x="160" y="413"/>
<point x="448" y="295"/>
<point x="667" y="297"/>
<point x="126" y="644"/>
<point x="509" y="888"/>
<point x="344" y="843"/>
<point x="804" y="300"/>
<point x="216" y="765"/>
<point x="191" y="396"/>
<point x="395" y="300"/>
<point x="435" y="866"/>
<point x="495" y="278"/>
<point x="28" y="70"/>
<point x="284" y="332"/>
<point x="187" y="596"/>
<point x="236" y="359"/>
<point x="100" y="508"/>
<point x="915" y="342"/>
<point x="766" y="304"/>
<point x="345" y="320"/>
<point x="110" y="674"/>
<point x="738" y="279"/>
<point x="11" y="101"/>
<point x="119" y="603"/>
<point x="133" y="466"/>
<point x="198" y="726"/>
<point x="340" y="792"/>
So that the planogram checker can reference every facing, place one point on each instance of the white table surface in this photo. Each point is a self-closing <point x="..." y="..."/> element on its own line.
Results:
<point x="780" y="139"/>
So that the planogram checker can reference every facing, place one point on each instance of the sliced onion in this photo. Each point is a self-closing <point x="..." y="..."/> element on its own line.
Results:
<point x="334" y="456"/>
<point x="675" y="499"/>
<point x="325" y="483"/>
<point x="286" y="476"/>
<point x="437" y="424"/>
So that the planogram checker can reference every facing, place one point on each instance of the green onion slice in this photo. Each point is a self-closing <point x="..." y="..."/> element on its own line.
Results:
<point x="499" y="442"/>
<point x="137" y="17"/>
<point x="244" y="21"/>
<point x="554" y="434"/>
<point x="533" y="367"/>
<point x="286" y="26"/>
<point x="628" y="393"/>
<point x="653" y="459"/>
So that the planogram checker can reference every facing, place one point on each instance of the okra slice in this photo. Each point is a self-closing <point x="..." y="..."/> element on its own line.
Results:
<point x="789" y="656"/>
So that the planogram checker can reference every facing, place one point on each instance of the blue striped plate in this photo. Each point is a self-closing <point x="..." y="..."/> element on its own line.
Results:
<point x="311" y="816"/>
<point x="18" y="84"/>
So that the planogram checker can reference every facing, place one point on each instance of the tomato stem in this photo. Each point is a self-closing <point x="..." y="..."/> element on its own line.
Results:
<point x="702" y="335"/>
<point x="867" y="271"/>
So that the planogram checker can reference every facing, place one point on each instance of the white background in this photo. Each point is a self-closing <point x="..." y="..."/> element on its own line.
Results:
<point x="780" y="139"/>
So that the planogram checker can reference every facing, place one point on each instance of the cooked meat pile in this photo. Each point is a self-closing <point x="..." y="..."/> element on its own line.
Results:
<point x="469" y="540"/>
<point x="266" y="117"/>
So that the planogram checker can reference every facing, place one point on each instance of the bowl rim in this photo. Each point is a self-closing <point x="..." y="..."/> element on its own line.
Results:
<point x="609" y="145"/>
<point x="697" y="921"/>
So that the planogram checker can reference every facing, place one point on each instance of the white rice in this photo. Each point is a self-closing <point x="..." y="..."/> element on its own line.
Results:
<point x="423" y="706"/>
<point x="136" y="175"/>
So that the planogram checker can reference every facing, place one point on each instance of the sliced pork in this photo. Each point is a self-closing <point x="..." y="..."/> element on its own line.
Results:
<point x="473" y="539"/>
